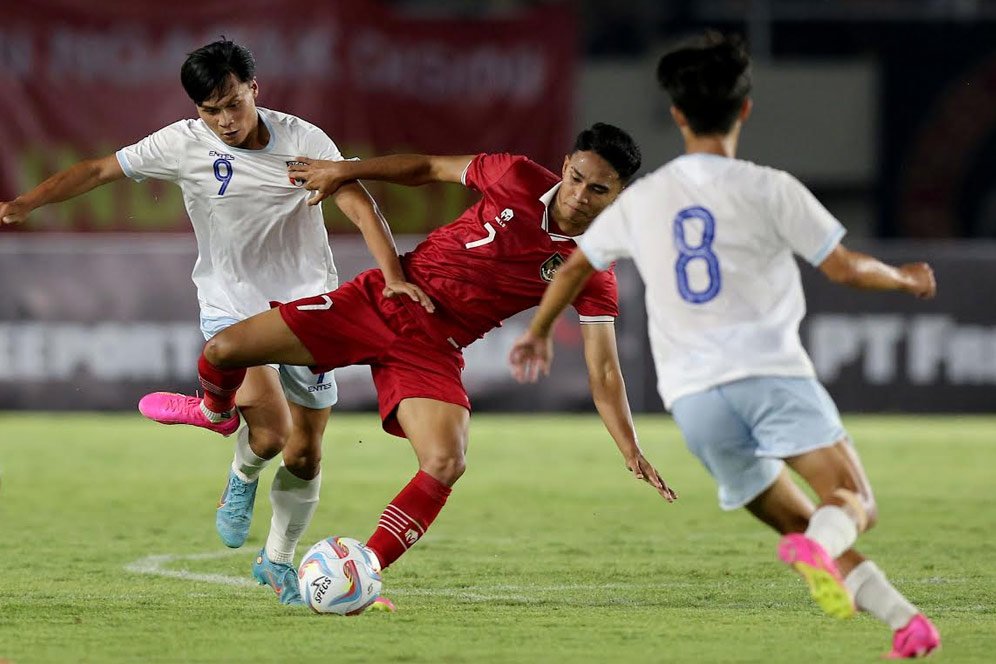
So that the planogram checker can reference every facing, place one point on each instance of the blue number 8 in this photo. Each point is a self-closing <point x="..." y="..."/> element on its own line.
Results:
<point x="223" y="178"/>
<point x="687" y="254"/>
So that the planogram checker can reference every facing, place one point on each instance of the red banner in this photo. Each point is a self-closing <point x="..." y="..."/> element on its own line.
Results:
<point x="83" y="79"/>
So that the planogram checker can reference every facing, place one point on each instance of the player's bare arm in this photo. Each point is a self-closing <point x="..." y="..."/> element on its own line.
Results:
<point x="858" y="270"/>
<point x="532" y="353"/>
<point x="66" y="184"/>
<point x="411" y="170"/>
<point x="360" y="208"/>
<point x="608" y="391"/>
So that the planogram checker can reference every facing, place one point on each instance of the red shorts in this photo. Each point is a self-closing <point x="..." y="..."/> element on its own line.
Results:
<point x="356" y="324"/>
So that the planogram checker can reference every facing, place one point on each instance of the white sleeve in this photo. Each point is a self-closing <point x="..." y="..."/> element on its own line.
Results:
<point x="318" y="145"/>
<point x="802" y="221"/>
<point x="608" y="237"/>
<point x="155" y="156"/>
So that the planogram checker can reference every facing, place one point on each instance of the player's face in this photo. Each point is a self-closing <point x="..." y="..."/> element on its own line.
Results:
<point x="589" y="185"/>
<point x="231" y="112"/>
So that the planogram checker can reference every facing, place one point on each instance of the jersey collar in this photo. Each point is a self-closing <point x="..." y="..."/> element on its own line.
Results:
<point x="546" y="199"/>
<point x="260" y="111"/>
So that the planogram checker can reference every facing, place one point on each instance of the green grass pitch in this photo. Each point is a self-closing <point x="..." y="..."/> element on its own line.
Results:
<point x="548" y="551"/>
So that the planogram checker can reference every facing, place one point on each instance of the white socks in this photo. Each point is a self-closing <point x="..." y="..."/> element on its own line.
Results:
<point x="246" y="464"/>
<point x="294" y="502"/>
<point x="833" y="529"/>
<point x="213" y="416"/>
<point x="873" y="593"/>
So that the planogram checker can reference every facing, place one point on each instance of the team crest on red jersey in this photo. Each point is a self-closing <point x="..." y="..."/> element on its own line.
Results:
<point x="549" y="268"/>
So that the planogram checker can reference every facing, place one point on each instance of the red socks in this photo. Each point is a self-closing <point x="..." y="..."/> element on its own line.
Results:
<point x="407" y="517"/>
<point x="220" y="385"/>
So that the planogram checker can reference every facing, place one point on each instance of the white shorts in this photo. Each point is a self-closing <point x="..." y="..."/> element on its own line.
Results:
<point x="301" y="385"/>
<point x="742" y="430"/>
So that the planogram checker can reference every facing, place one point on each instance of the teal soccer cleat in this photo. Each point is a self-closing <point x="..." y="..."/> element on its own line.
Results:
<point x="234" y="515"/>
<point x="282" y="577"/>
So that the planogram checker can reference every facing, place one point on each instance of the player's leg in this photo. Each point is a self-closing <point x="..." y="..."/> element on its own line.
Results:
<point x="837" y="476"/>
<point x="437" y="431"/>
<point x="261" y="339"/>
<point x="296" y="484"/>
<point x="785" y="508"/>
<point x="786" y="417"/>
<point x="846" y="502"/>
<point x="913" y="633"/>
<point x="293" y="499"/>
<point x="268" y="424"/>
<point x="717" y="432"/>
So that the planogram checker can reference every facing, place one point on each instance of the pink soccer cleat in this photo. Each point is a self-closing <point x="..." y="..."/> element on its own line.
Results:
<point x="918" y="639"/>
<point x="819" y="571"/>
<point x="172" y="408"/>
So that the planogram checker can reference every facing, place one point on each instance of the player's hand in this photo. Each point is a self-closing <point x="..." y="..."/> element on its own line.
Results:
<point x="396" y="288"/>
<point x="921" y="279"/>
<point x="530" y="357"/>
<point x="644" y="470"/>
<point x="13" y="212"/>
<point x="322" y="177"/>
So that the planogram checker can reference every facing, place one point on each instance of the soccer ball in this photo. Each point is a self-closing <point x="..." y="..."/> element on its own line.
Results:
<point x="339" y="575"/>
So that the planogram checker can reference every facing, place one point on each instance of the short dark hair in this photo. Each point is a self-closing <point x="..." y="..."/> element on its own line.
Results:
<point x="206" y="70"/>
<point x="708" y="78"/>
<point x="613" y="145"/>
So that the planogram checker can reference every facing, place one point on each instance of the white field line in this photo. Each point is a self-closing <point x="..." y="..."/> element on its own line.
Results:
<point x="156" y="565"/>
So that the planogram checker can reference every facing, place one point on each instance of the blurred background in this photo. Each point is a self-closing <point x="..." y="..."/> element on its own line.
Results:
<point x="886" y="109"/>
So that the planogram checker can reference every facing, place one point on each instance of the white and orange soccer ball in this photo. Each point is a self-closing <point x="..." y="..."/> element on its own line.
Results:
<point x="339" y="575"/>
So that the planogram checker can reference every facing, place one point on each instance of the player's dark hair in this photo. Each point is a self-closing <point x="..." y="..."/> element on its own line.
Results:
<point x="613" y="145"/>
<point x="206" y="70"/>
<point x="708" y="77"/>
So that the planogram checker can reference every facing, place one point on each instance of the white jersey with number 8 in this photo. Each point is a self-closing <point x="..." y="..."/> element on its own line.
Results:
<point x="713" y="239"/>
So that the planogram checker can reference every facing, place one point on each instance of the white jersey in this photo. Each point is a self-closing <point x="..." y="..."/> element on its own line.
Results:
<point x="713" y="239"/>
<point x="257" y="238"/>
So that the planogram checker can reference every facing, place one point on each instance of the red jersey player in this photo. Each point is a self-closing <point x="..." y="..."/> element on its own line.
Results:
<point x="492" y="262"/>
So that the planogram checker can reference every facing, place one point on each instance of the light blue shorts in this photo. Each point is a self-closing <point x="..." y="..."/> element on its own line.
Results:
<point x="301" y="386"/>
<point x="742" y="430"/>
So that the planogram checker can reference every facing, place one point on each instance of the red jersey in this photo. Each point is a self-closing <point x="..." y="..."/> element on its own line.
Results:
<point x="497" y="258"/>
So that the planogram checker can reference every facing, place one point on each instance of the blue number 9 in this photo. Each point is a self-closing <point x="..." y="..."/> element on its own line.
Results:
<point x="223" y="177"/>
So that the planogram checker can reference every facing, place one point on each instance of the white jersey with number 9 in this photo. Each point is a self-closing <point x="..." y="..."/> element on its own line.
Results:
<point x="257" y="238"/>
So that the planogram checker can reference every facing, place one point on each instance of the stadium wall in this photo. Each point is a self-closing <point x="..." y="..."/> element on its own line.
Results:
<point x="96" y="321"/>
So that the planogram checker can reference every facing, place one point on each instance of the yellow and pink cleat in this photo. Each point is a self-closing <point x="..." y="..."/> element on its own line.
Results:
<point x="382" y="605"/>
<point x="172" y="408"/>
<point x="918" y="639"/>
<point x="814" y="565"/>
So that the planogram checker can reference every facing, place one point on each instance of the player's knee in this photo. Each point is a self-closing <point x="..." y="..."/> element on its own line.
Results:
<point x="860" y="505"/>
<point x="447" y="468"/>
<point x="220" y="350"/>
<point x="871" y="513"/>
<point x="302" y="454"/>
<point x="271" y="440"/>
<point x="303" y="463"/>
